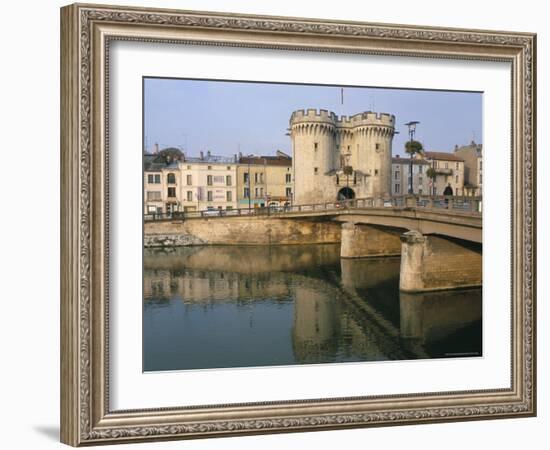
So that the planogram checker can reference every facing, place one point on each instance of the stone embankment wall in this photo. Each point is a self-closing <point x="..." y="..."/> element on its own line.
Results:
<point x="240" y="231"/>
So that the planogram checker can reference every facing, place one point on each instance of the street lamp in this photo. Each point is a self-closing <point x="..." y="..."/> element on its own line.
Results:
<point x="412" y="130"/>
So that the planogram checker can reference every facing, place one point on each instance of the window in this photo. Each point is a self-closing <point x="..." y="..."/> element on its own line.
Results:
<point x="376" y="171"/>
<point x="171" y="192"/>
<point x="188" y="167"/>
<point x="228" y="180"/>
<point x="377" y="146"/>
<point x="446" y="165"/>
<point x="420" y="191"/>
<point x="456" y="179"/>
<point x="337" y="179"/>
<point x="397" y="188"/>
<point x="153" y="195"/>
<point x="189" y="196"/>
<point x="316" y="146"/>
<point x="228" y="208"/>
<point x="288" y="177"/>
<point x="288" y="192"/>
<point x="209" y="180"/>
<point x="228" y="167"/>
<point x="256" y="192"/>
<point x="316" y="170"/>
<point x="209" y="167"/>
<point x="420" y="180"/>
<point x="261" y="178"/>
<point x="456" y="166"/>
<point x="246" y="193"/>
<point x="171" y="178"/>
<point x="256" y="177"/>
<point x="354" y="178"/>
<point x="246" y="177"/>
<point x="480" y="164"/>
<point x="349" y="148"/>
<point x="228" y="196"/>
<point x="480" y="176"/>
<point x="219" y="179"/>
<point x="397" y="175"/>
<point x="189" y="180"/>
<point x="153" y="178"/>
<point x="209" y="196"/>
<point x="420" y="168"/>
<point x="261" y="192"/>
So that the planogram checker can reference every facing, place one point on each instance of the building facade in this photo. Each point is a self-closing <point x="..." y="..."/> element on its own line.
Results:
<point x="340" y="157"/>
<point x="449" y="171"/>
<point x="401" y="177"/>
<point x="208" y="182"/>
<point x="264" y="181"/>
<point x="473" y="167"/>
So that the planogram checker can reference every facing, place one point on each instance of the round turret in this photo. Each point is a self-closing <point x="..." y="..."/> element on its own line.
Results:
<point x="323" y="144"/>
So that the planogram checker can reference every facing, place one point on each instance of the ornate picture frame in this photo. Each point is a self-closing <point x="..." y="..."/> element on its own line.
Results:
<point x="87" y="32"/>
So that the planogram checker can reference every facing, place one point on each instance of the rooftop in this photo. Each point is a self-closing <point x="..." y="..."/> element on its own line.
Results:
<point x="407" y="160"/>
<point x="442" y="156"/>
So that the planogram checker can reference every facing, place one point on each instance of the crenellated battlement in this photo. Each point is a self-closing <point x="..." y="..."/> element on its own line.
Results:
<point x="362" y="119"/>
<point x="313" y="115"/>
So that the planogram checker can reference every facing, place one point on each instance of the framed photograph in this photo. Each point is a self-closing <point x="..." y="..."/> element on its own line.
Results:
<point x="276" y="224"/>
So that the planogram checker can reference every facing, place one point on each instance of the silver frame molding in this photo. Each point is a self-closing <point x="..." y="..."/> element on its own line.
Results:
<point x="86" y="32"/>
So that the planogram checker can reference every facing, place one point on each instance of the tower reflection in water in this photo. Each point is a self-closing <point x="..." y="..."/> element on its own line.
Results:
<point x="213" y="307"/>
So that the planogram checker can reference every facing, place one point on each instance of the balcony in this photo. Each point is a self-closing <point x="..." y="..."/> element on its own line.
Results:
<point x="441" y="171"/>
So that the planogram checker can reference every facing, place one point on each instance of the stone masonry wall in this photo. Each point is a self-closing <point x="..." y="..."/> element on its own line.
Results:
<point x="241" y="231"/>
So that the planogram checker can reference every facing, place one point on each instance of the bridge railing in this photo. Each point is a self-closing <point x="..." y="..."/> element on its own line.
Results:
<point x="467" y="204"/>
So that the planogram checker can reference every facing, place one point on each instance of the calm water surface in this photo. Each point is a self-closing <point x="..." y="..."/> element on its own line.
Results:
<point x="213" y="307"/>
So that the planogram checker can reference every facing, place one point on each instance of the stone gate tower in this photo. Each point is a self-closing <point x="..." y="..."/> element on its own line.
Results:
<point x="340" y="157"/>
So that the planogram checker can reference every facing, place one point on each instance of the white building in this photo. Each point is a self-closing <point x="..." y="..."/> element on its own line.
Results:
<point x="401" y="178"/>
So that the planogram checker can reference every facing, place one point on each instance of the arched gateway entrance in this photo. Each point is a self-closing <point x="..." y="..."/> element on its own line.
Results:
<point x="346" y="193"/>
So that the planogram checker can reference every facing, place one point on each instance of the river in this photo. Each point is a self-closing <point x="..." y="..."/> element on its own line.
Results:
<point x="243" y="306"/>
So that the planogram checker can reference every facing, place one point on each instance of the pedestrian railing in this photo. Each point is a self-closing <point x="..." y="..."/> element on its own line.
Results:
<point x="465" y="204"/>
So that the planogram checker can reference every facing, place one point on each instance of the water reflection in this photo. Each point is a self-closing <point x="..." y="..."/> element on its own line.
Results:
<point x="207" y="307"/>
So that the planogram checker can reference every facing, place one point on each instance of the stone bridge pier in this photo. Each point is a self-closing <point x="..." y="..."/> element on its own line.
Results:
<point x="360" y="241"/>
<point x="431" y="263"/>
<point x="428" y="262"/>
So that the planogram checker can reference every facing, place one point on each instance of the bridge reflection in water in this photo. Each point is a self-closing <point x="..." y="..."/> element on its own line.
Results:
<point x="226" y="306"/>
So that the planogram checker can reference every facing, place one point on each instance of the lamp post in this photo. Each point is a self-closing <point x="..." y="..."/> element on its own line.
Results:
<point x="412" y="130"/>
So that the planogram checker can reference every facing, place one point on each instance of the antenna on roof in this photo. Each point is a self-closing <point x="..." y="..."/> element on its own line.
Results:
<point x="341" y="102"/>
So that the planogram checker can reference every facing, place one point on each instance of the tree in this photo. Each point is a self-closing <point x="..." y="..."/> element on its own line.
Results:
<point x="413" y="147"/>
<point x="431" y="173"/>
<point x="169" y="155"/>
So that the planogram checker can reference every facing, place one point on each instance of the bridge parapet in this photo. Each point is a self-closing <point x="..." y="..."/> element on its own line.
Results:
<point x="464" y="204"/>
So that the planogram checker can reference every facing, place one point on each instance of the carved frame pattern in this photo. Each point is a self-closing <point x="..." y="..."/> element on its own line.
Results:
<point x="86" y="418"/>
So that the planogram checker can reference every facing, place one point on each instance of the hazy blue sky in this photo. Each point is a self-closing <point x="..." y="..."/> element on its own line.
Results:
<point x="225" y="117"/>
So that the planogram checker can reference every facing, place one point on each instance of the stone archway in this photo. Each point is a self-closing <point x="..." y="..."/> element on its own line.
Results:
<point x="346" y="193"/>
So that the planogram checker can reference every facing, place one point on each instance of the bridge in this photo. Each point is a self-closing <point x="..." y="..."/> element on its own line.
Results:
<point x="438" y="237"/>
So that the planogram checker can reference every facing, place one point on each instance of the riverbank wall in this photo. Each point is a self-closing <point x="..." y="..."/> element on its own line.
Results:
<point x="241" y="231"/>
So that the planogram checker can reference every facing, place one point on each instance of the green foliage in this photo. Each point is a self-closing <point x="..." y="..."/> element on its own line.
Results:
<point x="414" y="147"/>
<point x="431" y="173"/>
<point x="169" y="155"/>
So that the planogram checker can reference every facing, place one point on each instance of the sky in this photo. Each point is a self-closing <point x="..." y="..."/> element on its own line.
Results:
<point x="228" y="117"/>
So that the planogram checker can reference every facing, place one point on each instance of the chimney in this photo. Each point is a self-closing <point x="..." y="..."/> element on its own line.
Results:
<point x="240" y="155"/>
<point x="397" y="156"/>
<point x="235" y="157"/>
<point x="456" y="147"/>
<point x="208" y="153"/>
<point x="202" y="155"/>
<point x="156" y="148"/>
